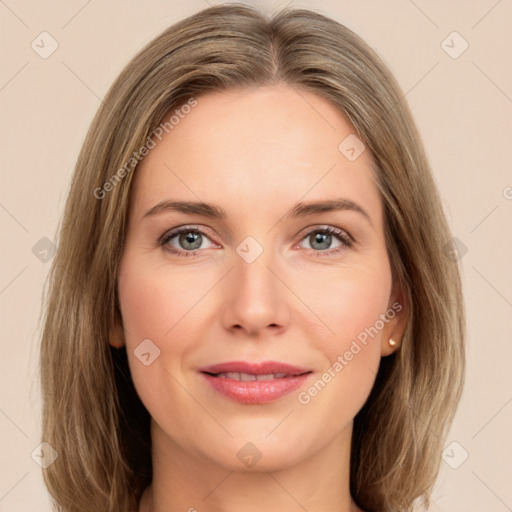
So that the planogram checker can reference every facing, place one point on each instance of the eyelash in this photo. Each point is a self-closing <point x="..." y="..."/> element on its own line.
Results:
<point x="346" y="240"/>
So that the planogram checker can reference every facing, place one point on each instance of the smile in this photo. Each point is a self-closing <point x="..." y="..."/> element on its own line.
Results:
<point x="247" y="377"/>
<point x="255" y="383"/>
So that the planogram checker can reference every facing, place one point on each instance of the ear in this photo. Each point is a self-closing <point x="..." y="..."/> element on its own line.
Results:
<point x="396" y="314"/>
<point x="117" y="333"/>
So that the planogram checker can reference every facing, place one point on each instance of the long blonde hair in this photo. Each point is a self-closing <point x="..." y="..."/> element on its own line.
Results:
<point x="92" y="415"/>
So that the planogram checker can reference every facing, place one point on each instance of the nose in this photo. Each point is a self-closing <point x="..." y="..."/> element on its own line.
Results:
<point x="256" y="298"/>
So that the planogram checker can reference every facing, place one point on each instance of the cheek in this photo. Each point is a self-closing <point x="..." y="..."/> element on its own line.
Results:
<point x="358" y="306"/>
<point x="166" y="307"/>
<point x="153" y="302"/>
<point x="150" y="307"/>
<point x="350" y="308"/>
<point x="348" y="302"/>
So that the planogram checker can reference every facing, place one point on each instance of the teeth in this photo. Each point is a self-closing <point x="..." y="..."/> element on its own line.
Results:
<point x="268" y="376"/>
<point x="247" y="377"/>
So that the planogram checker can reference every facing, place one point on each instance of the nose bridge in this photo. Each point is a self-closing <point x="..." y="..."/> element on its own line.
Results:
<point x="256" y="295"/>
<point x="255" y="278"/>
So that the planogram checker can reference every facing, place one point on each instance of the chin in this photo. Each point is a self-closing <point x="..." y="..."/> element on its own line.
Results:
<point x="252" y="452"/>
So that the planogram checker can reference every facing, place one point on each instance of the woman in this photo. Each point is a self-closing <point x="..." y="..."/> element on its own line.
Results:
<point x="251" y="306"/>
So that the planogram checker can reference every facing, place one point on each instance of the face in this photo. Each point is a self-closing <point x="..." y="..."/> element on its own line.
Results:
<point x="259" y="276"/>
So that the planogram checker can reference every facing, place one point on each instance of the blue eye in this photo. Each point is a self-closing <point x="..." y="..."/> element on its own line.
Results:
<point x="189" y="240"/>
<point x="322" y="239"/>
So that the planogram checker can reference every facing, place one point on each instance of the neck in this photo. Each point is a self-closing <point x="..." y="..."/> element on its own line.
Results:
<point x="183" y="481"/>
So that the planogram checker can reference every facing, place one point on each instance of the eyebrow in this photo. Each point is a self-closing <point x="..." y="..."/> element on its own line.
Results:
<point x="214" y="211"/>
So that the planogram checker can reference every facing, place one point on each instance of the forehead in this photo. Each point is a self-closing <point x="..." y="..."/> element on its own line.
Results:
<point x="258" y="148"/>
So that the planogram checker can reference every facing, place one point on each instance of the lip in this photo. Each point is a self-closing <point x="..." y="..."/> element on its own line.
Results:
<point x="255" y="368"/>
<point x="255" y="392"/>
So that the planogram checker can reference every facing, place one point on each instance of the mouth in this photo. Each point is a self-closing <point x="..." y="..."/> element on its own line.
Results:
<point x="248" y="377"/>
<point x="255" y="383"/>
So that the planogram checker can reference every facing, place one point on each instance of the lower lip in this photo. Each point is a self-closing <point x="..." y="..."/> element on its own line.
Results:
<point x="255" y="391"/>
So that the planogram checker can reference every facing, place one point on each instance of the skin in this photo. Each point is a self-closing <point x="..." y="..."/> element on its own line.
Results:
<point x="295" y="303"/>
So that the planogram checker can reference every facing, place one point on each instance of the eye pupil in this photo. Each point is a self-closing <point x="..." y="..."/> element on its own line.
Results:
<point x="324" y="239"/>
<point x="194" y="239"/>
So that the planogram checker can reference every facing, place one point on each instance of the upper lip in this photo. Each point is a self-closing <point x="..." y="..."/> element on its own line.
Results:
<point x="263" y="368"/>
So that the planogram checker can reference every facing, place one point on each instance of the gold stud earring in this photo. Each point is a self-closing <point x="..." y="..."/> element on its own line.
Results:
<point x="392" y="342"/>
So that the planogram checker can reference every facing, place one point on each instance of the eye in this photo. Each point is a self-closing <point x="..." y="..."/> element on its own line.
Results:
<point x="321" y="240"/>
<point x="190" y="240"/>
<point x="185" y="241"/>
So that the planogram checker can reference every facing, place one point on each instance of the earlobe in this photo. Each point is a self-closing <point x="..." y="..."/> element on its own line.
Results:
<point x="391" y="339"/>
<point x="389" y="346"/>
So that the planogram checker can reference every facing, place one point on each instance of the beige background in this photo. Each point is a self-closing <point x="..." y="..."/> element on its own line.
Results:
<point x="463" y="107"/>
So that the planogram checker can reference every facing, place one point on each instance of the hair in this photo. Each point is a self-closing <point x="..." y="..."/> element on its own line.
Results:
<point x="92" y="415"/>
